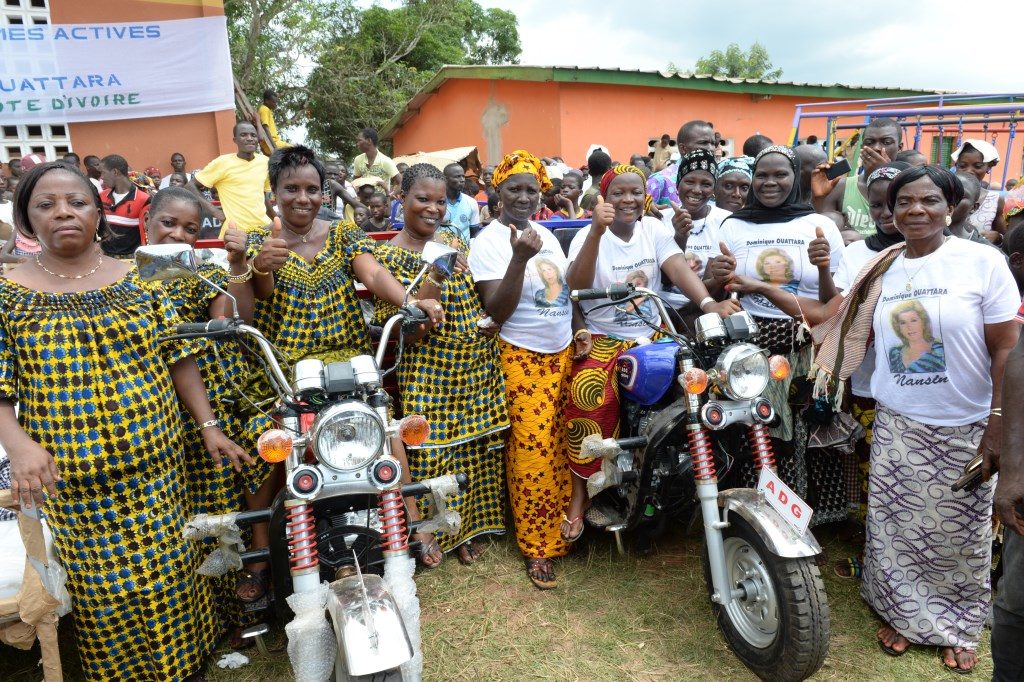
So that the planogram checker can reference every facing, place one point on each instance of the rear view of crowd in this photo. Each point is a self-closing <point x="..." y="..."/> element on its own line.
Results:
<point x="907" y="275"/>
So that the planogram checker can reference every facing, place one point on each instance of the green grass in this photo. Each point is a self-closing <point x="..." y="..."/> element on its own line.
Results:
<point x="611" y="618"/>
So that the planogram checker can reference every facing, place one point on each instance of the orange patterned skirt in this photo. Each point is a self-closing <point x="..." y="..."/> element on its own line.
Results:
<point x="536" y="458"/>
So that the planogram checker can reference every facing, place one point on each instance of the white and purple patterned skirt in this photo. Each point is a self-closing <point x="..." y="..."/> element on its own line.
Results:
<point x="928" y="555"/>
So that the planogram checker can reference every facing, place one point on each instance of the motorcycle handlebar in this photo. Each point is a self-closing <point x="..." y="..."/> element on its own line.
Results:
<point x="614" y="292"/>
<point x="210" y="327"/>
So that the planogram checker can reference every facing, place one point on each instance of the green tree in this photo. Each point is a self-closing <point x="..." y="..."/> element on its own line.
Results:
<point x="377" y="58"/>
<point x="735" y="63"/>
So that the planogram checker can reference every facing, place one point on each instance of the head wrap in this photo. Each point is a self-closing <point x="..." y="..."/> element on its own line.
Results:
<point x="152" y="171"/>
<point x="988" y="152"/>
<point x="695" y="160"/>
<point x="521" y="161"/>
<point x="622" y="169"/>
<point x="883" y="173"/>
<point x="791" y="208"/>
<point x="736" y="164"/>
<point x="880" y="241"/>
<point x="142" y="181"/>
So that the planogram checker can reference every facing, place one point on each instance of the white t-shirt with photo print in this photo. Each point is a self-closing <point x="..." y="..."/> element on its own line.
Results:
<point x="931" y="361"/>
<point x="701" y="246"/>
<point x="777" y="252"/>
<point x="542" y="321"/>
<point x="637" y="261"/>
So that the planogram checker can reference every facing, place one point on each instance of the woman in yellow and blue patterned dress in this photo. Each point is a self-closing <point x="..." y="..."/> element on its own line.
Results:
<point x="98" y="428"/>
<point x="174" y="217"/>
<point x="304" y="272"/>
<point x="453" y="376"/>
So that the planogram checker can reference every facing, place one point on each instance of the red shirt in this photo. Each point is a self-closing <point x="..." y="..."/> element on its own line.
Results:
<point x="124" y="221"/>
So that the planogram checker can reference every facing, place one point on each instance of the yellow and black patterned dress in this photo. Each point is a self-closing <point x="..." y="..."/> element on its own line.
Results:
<point x="453" y="378"/>
<point x="212" y="489"/>
<point x="94" y="388"/>
<point x="313" y="312"/>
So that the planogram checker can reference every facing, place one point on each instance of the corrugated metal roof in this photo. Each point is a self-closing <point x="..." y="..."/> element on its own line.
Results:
<point x="639" y="77"/>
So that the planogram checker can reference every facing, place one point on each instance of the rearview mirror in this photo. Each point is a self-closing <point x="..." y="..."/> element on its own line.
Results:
<point x="440" y="256"/>
<point x="159" y="262"/>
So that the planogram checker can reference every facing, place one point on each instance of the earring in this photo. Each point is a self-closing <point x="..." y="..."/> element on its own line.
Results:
<point x="949" y="220"/>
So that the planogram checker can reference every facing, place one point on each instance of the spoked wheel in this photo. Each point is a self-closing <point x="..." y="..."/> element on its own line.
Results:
<point x="779" y="627"/>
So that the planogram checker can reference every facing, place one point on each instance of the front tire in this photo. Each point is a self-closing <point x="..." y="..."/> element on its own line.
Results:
<point x="780" y="630"/>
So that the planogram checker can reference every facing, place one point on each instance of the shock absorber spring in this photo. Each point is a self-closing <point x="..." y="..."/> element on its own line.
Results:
<point x="300" y="527"/>
<point x="701" y="455"/>
<point x="761" y="445"/>
<point x="394" y="534"/>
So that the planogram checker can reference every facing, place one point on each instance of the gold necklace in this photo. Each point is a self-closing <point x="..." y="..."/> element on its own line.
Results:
<point x="57" y="274"/>
<point x="304" y="236"/>
<point x="910" y="278"/>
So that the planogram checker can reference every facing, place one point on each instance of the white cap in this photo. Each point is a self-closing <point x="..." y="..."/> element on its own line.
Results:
<point x="988" y="152"/>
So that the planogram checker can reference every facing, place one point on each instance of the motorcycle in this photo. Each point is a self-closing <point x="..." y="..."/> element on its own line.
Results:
<point x="339" y="532"/>
<point x="687" y="409"/>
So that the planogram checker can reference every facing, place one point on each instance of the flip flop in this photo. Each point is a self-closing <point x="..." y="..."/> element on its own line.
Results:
<point x="566" y="529"/>
<point x="848" y="568"/>
<point x="887" y="650"/>
<point x="536" y="569"/>
<point x="260" y="579"/>
<point x="429" y="549"/>
<point x="474" y="551"/>
<point x="956" y="651"/>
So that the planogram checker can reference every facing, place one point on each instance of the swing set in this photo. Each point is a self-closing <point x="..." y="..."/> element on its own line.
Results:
<point x="986" y="115"/>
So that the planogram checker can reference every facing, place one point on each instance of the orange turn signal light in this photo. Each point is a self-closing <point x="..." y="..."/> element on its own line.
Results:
<point x="778" y="367"/>
<point x="274" y="445"/>
<point x="695" y="380"/>
<point x="414" y="430"/>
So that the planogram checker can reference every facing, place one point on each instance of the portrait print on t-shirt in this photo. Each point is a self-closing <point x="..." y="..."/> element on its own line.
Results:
<point x="778" y="267"/>
<point x="625" y="314"/>
<point x="912" y="337"/>
<point x="552" y="291"/>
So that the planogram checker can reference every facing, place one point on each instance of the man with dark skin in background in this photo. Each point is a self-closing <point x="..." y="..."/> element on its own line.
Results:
<point x="846" y="204"/>
<point x="811" y="156"/>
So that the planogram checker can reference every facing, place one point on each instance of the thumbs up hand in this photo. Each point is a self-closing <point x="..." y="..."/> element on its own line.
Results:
<point x="819" y="251"/>
<point x="274" y="252"/>
<point x="723" y="268"/>
<point x="682" y="221"/>
<point x="603" y="216"/>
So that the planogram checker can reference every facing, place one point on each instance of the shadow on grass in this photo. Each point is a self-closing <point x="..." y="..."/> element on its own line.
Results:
<point x="611" y="618"/>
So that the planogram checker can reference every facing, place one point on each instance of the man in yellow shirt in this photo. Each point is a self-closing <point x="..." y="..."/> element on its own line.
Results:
<point x="373" y="162"/>
<point x="266" y="114"/>
<point x="241" y="181"/>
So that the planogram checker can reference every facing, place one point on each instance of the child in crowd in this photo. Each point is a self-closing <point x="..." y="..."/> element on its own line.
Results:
<point x="379" y="221"/>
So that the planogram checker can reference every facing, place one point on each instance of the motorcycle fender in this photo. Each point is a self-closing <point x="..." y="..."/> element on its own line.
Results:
<point x="778" y="536"/>
<point x="371" y="634"/>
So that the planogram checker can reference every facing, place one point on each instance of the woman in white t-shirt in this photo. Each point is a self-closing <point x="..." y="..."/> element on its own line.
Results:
<point x="928" y="554"/>
<point x="519" y="267"/>
<point x="767" y="241"/>
<point x="620" y="245"/>
<point x="696" y="221"/>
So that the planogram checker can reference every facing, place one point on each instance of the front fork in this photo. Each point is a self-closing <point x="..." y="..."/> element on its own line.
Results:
<point x="706" y="478"/>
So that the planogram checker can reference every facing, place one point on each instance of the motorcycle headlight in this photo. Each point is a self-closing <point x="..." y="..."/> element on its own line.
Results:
<point x="347" y="436"/>
<point x="742" y="371"/>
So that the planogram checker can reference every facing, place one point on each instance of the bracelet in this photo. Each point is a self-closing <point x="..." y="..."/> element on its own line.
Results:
<point x="576" y="336"/>
<point x="996" y="412"/>
<point x="256" y="270"/>
<point x="242" y="278"/>
<point x="412" y="301"/>
<point x="704" y="302"/>
<point x="208" y="424"/>
<point x="439" y="285"/>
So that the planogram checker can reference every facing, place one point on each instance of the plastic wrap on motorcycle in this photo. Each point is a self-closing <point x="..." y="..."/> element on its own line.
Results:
<point x="367" y="643"/>
<point x="778" y="535"/>
<point x="646" y="372"/>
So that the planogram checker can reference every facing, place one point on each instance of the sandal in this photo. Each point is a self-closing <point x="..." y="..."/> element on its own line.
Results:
<point x="567" y="525"/>
<point x="849" y="568"/>
<point x="957" y="651"/>
<point x="541" y="573"/>
<point x="430" y="553"/>
<point x="470" y="552"/>
<point x="252" y="585"/>
<point x="888" y="650"/>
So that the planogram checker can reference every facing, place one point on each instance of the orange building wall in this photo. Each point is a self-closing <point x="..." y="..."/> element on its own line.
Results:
<point x="148" y="141"/>
<point x="564" y="119"/>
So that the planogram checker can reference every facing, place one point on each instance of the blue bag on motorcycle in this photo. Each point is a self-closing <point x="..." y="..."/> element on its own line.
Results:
<point x="646" y="372"/>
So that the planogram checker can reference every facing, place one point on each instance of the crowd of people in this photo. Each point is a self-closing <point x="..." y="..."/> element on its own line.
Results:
<point x="908" y="277"/>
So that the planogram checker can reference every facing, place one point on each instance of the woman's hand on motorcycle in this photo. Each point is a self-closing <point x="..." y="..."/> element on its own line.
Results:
<point x="434" y="310"/>
<point x="32" y="471"/>
<point x="724" y="308"/>
<point x="234" y="243"/>
<point x="583" y="343"/>
<point x="274" y="252"/>
<point x="741" y="284"/>
<point x="723" y="267"/>
<point x="220" y="447"/>
<point x="819" y="251"/>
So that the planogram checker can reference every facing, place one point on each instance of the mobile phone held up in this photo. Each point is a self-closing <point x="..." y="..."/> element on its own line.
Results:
<point x="838" y="169"/>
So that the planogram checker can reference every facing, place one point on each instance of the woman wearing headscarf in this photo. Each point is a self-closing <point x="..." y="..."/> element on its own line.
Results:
<point x="928" y="554"/>
<point x="621" y="244"/>
<point x="732" y="182"/>
<point x="773" y="218"/>
<point x="978" y="158"/>
<point x="536" y="345"/>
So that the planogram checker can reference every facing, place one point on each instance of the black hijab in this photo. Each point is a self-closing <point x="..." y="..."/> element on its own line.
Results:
<point x="791" y="208"/>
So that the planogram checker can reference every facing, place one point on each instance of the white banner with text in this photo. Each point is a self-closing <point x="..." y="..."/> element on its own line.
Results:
<point x="68" y="73"/>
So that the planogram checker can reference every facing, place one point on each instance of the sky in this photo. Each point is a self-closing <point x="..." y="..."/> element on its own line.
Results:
<point x="898" y="43"/>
